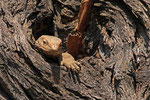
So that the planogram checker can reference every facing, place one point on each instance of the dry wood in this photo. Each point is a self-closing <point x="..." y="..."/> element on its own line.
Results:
<point x="74" y="43"/>
<point x="116" y="40"/>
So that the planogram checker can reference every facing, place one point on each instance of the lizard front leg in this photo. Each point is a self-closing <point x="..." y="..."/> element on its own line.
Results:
<point x="67" y="60"/>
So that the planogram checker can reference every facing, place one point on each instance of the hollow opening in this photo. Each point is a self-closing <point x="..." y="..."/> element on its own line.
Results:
<point x="44" y="26"/>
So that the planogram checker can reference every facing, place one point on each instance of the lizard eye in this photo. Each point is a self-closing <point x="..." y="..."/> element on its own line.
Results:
<point x="44" y="42"/>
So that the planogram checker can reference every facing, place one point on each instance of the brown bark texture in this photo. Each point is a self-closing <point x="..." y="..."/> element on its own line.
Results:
<point x="115" y="55"/>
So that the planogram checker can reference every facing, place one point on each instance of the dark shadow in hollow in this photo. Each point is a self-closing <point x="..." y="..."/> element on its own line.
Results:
<point x="45" y="26"/>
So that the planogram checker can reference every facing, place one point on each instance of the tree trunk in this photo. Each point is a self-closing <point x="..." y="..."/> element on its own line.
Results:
<point x="115" y="58"/>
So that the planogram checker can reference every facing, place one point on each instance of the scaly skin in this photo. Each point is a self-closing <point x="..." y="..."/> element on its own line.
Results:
<point x="51" y="46"/>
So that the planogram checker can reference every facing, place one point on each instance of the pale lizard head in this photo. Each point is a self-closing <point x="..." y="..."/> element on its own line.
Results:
<point x="49" y="45"/>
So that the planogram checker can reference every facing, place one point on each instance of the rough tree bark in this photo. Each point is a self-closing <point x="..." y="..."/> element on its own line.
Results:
<point x="116" y="43"/>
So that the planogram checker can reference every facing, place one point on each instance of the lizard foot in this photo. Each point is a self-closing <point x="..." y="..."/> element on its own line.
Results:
<point x="70" y="63"/>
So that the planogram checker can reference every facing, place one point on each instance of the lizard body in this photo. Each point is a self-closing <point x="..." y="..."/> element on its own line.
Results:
<point x="51" y="46"/>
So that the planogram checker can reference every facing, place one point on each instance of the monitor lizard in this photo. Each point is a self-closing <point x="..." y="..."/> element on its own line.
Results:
<point x="51" y="46"/>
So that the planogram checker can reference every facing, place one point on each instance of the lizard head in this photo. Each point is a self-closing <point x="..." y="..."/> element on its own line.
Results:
<point x="49" y="45"/>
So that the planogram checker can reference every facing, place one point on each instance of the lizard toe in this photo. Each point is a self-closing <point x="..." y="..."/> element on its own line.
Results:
<point x="73" y="67"/>
<point x="76" y="67"/>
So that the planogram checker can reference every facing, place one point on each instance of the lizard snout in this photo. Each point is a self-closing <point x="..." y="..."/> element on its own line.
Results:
<point x="56" y="50"/>
<point x="55" y="47"/>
